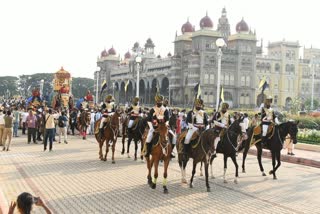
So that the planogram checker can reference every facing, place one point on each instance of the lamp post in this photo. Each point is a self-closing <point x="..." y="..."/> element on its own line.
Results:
<point x="113" y="89"/>
<point x="138" y="61"/>
<point x="97" y="84"/>
<point x="219" y="43"/>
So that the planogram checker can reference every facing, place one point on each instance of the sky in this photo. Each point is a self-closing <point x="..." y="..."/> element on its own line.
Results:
<point x="40" y="36"/>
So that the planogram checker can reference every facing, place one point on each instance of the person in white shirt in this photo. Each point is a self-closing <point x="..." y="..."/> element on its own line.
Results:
<point x="1" y="125"/>
<point x="50" y="129"/>
<point x="92" y="120"/>
<point x="24" y="119"/>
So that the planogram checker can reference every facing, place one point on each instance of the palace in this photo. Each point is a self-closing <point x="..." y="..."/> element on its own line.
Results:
<point x="195" y="61"/>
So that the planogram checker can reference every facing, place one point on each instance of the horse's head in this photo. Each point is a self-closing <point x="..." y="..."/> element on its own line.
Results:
<point x="238" y="126"/>
<point x="292" y="129"/>
<point x="162" y="130"/>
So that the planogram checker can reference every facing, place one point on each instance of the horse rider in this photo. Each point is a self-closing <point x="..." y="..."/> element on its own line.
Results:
<point x="174" y="137"/>
<point x="197" y="120"/>
<point x="221" y="121"/>
<point x="157" y="114"/>
<point x="109" y="109"/>
<point x="134" y="111"/>
<point x="267" y="118"/>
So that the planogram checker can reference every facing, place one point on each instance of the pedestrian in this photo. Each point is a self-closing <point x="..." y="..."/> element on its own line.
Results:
<point x="1" y="125"/>
<point x="25" y="202"/>
<point x="92" y="120"/>
<point x="7" y="133"/>
<point x="255" y="121"/>
<point x="50" y="129"/>
<point x="39" y="124"/>
<point x="16" y="116"/>
<point x="73" y="120"/>
<point x="288" y="144"/>
<point x="62" y="124"/>
<point x="23" y="120"/>
<point x="31" y="122"/>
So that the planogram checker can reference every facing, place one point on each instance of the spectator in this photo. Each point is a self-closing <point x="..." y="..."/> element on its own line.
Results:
<point x="39" y="124"/>
<point x="62" y="124"/>
<point x="7" y="133"/>
<point x="25" y="203"/>
<point x="49" y="126"/>
<point x="16" y="116"/>
<point x="31" y="122"/>
<point x="73" y="120"/>
<point x="1" y="125"/>
<point x="246" y="121"/>
<point x="92" y="120"/>
<point x="255" y="121"/>
<point x="23" y="120"/>
<point x="288" y="144"/>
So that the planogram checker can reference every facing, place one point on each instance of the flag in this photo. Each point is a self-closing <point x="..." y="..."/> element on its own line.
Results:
<point x="103" y="86"/>
<point x="265" y="85"/>
<point x="262" y="82"/>
<point x="126" y="86"/>
<point x="197" y="91"/>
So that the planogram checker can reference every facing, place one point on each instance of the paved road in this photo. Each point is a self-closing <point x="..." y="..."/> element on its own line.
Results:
<point x="72" y="180"/>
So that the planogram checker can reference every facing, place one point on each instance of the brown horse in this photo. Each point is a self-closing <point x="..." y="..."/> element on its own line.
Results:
<point x="83" y="123"/>
<point x="110" y="135"/>
<point x="161" y="150"/>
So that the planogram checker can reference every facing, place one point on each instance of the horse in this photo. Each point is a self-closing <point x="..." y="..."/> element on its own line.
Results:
<point x="227" y="146"/>
<point x="110" y="134"/>
<point x="134" y="134"/>
<point x="161" y="150"/>
<point x="274" y="143"/>
<point x="83" y="123"/>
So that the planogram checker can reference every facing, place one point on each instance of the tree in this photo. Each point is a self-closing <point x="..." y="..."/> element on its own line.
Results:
<point x="307" y="104"/>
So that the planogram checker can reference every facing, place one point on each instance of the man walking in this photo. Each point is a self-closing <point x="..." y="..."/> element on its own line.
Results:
<point x="1" y="125"/>
<point x="7" y="133"/>
<point x="31" y="122"/>
<point x="50" y="130"/>
<point x="62" y="124"/>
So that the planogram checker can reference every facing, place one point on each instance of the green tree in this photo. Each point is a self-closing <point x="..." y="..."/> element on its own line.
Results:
<point x="307" y="104"/>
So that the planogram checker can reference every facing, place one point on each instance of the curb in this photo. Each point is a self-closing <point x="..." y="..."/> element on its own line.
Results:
<point x="289" y="159"/>
<point x="307" y="147"/>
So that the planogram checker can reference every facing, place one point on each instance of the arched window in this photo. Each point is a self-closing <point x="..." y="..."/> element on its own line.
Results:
<point x="258" y="65"/>
<point x="268" y="67"/>
<point x="226" y="79"/>
<point x="248" y="81"/>
<point x="243" y="81"/>
<point x="287" y="68"/>
<point x="292" y="68"/>
<point x="277" y="67"/>
<point x="227" y="96"/>
<point x="231" y="79"/>
<point x="276" y="100"/>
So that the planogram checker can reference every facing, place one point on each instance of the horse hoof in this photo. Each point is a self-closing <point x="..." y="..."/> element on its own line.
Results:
<point x="225" y="181"/>
<point x="165" y="190"/>
<point x="275" y="178"/>
<point x="191" y="185"/>
<point x="201" y="174"/>
<point x="135" y="158"/>
<point x="271" y="172"/>
<point x="153" y="185"/>
<point x="264" y="174"/>
<point x="208" y="189"/>
<point x="212" y="177"/>
<point x="243" y="171"/>
<point x="113" y="162"/>
<point x="129" y="156"/>
<point x="235" y="181"/>
<point x="122" y="153"/>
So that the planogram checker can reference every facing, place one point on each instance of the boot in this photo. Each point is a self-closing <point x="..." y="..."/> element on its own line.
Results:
<point x="263" y="141"/>
<point x="172" y="153"/>
<point x="101" y="133"/>
<point x="149" y="148"/>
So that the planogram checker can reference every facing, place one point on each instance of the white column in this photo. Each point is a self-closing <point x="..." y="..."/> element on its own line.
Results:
<point x="138" y="77"/>
<point x="218" y="78"/>
<point x="312" y="86"/>
<point x="97" y="87"/>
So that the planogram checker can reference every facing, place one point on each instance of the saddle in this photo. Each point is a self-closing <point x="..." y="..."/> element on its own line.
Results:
<point x="257" y="133"/>
<point x="193" y="141"/>
<point x="135" y="123"/>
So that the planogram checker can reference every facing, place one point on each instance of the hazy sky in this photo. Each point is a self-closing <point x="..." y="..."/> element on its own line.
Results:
<point x="40" y="35"/>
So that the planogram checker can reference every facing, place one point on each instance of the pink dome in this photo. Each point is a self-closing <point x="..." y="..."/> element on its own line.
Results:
<point x="187" y="27"/>
<point x="112" y="51"/>
<point x="127" y="55"/>
<point x="206" y="22"/>
<point x="104" y="53"/>
<point x="242" y="26"/>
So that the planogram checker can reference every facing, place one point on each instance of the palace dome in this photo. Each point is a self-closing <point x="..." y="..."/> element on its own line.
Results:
<point x="206" y="22"/>
<point x="104" y="53"/>
<point x="112" y="51"/>
<point x="242" y="26"/>
<point x="187" y="27"/>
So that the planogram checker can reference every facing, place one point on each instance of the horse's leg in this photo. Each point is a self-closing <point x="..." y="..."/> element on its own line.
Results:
<point x="193" y="172"/>
<point x="273" y="171"/>
<point x="206" y="171"/>
<point x="100" y="149"/>
<point x="141" y="149"/>
<point x="113" y="149"/>
<point x="85" y="133"/>
<point x="155" y="177"/>
<point x="183" y="169"/>
<point x="107" y="149"/>
<point x="149" y="171"/>
<point x="128" y="145"/>
<point x="259" y="155"/>
<point x="135" y="149"/>
<point x="201" y="174"/>
<point x="278" y="157"/>
<point x="211" y="168"/>
<point x="123" y="139"/>
<point x="244" y="156"/>
<point x="165" y="174"/>
<point x="234" y="159"/>
<point x="225" y="159"/>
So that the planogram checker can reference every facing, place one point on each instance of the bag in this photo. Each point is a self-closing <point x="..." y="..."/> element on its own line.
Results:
<point x="60" y="122"/>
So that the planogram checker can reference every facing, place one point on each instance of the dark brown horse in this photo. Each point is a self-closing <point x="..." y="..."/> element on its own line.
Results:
<point x="200" y="150"/>
<point x="110" y="134"/>
<point x="227" y="147"/>
<point x="161" y="150"/>
<point x="274" y="143"/>
<point x="83" y="123"/>
<point x="135" y="134"/>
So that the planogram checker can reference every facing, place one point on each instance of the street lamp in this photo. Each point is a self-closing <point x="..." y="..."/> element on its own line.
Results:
<point x="97" y="84"/>
<point x="219" y="43"/>
<point x="41" y="87"/>
<point x="138" y="61"/>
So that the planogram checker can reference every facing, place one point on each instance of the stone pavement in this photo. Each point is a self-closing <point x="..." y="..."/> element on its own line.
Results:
<point x="71" y="179"/>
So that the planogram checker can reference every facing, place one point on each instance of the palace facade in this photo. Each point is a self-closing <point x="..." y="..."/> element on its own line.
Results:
<point x="195" y="61"/>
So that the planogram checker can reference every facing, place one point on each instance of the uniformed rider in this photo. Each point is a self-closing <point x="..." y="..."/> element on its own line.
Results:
<point x="157" y="114"/>
<point x="109" y="109"/>
<point x="134" y="111"/>
<point x="172" y="132"/>
<point x="197" y="120"/>
<point x="221" y="120"/>
<point x="267" y="118"/>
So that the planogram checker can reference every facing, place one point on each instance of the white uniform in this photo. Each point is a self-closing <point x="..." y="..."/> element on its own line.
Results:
<point x="267" y="118"/>
<point x="108" y="111"/>
<point x="134" y="112"/>
<point x="197" y="116"/>
<point x="224" y="123"/>
<point x="159" y="114"/>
